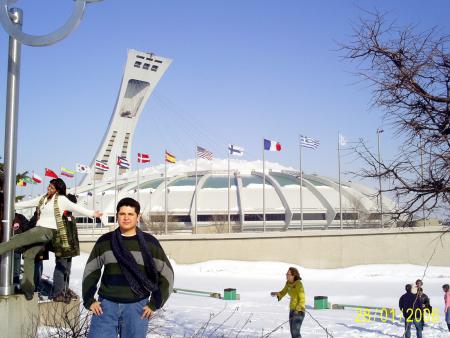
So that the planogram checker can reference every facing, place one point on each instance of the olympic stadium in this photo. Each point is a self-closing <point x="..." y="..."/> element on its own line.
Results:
<point x="214" y="199"/>
<point x="243" y="202"/>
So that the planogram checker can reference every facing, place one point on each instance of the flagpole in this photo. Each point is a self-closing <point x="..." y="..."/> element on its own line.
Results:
<point x="228" y="196"/>
<point x="195" y="193"/>
<point x="301" y="189"/>
<point x="165" y="194"/>
<point x="264" y="190"/>
<point x="115" y="193"/>
<point x="340" y="190"/>
<point x="138" y="181"/>
<point x="43" y="184"/>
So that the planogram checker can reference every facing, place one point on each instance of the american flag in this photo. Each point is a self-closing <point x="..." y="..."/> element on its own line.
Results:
<point x="122" y="162"/>
<point x="99" y="165"/>
<point x="203" y="153"/>
<point x="309" y="142"/>
<point x="143" y="158"/>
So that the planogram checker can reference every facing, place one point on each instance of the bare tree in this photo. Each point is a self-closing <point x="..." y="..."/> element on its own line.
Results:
<point x="409" y="72"/>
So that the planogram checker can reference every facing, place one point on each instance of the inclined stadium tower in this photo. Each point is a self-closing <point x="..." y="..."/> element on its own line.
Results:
<point x="218" y="208"/>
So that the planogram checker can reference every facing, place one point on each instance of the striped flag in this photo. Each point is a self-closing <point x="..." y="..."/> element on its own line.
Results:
<point x="67" y="172"/>
<point x="169" y="157"/>
<point x="143" y="158"/>
<point x="36" y="178"/>
<point x="99" y="165"/>
<point x="309" y="142"/>
<point x="203" y="153"/>
<point x="272" y="145"/>
<point x="235" y="150"/>
<point x="122" y="162"/>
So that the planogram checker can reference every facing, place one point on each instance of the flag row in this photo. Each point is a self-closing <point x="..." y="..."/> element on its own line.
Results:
<point x="123" y="163"/>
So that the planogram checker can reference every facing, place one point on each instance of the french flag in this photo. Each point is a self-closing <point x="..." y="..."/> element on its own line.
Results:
<point x="272" y="145"/>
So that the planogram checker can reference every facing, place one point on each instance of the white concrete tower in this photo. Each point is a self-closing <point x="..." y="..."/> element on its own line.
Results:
<point x="141" y="75"/>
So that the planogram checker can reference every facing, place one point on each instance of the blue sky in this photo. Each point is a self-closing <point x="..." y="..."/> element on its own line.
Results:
<point x="241" y="71"/>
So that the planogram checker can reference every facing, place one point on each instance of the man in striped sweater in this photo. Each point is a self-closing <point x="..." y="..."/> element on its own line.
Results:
<point x="137" y="278"/>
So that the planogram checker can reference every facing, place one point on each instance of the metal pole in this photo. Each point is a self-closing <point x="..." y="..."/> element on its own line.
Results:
<point x="165" y="196"/>
<point x="195" y="193"/>
<point x="421" y="174"/>
<point x="301" y="190"/>
<point x="228" y="196"/>
<point x="115" y="193"/>
<point x="264" y="190"/>
<point x="10" y="151"/>
<point x="137" y="182"/>
<point x="340" y="189"/>
<point x="379" y="131"/>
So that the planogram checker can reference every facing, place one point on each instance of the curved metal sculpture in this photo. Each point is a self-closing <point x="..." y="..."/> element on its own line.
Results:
<point x="42" y="40"/>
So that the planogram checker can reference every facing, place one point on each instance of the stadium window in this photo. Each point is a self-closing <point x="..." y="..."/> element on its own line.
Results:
<point x="180" y="219"/>
<point x="146" y="66"/>
<point x="275" y="217"/>
<point x="310" y="217"/>
<point x="154" y="68"/>
<point x="110" y="219"/>
<point x="346" y="216"/>
<point x="253" y="217"/>
<point x="140" y="57"/>
<point x="138" y="64"/>
<point x="159" y="61"/>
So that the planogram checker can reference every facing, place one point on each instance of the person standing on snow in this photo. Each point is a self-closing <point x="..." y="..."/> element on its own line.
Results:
<point x="294" y="288"/>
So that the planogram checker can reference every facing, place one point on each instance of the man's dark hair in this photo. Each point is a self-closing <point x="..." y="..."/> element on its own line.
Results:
<point x="445" y="287"/>
<point x="59" y="185"/>
<point x="129" y="202"/>
<point x="408" y="287"/>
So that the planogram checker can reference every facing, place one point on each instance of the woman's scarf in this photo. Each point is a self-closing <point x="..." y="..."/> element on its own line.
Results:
<point x="142" y="284"/>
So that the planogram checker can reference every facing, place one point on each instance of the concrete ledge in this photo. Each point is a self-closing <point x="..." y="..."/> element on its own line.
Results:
<point x="311" y="248"/>
<point x="18" y="316"/>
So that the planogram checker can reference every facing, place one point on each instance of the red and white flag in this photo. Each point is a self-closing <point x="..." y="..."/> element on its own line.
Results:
<point x="143" y="158"/>
<point x="36" y="178"/>
<point x="101" y="166"/>
<point x="50" y="173"/>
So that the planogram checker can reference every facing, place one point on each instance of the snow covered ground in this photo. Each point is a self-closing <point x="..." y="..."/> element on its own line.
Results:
<point x="256" y="314"/>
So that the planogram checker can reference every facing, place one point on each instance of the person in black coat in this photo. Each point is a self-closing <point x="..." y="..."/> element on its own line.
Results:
<point x="411" y="307"/>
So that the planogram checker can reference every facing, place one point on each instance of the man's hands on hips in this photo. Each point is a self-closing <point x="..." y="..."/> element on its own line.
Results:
<point x="96" y="308"/>
<point x="147" y="312"/>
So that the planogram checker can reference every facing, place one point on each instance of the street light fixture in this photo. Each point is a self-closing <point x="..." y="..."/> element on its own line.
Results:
<point x="11" y="20"/>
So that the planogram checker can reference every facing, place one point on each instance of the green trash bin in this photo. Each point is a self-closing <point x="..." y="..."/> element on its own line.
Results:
<point x="229" y="294"/>
<point x="320" y="302"/>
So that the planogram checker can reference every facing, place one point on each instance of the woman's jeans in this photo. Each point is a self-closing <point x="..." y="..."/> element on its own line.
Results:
<point x="295" y="323"/>
<point x="61" y="275"/>
<point x="119" y="318"/>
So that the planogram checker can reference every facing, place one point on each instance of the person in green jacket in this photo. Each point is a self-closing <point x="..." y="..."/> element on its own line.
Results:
<point x="294" y="288"/>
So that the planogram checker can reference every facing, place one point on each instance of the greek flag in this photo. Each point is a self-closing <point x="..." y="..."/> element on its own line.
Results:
<point x="308" y="142"/>
<point x="235" y="150"/>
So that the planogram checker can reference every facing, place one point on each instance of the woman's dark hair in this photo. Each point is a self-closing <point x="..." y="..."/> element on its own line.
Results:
<point x="445" y="287"/>
<point x="72" y="198"/>
<point x="59" y="185"/>
<point x="294" y="272"/>
<point x="129" y="202"/>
